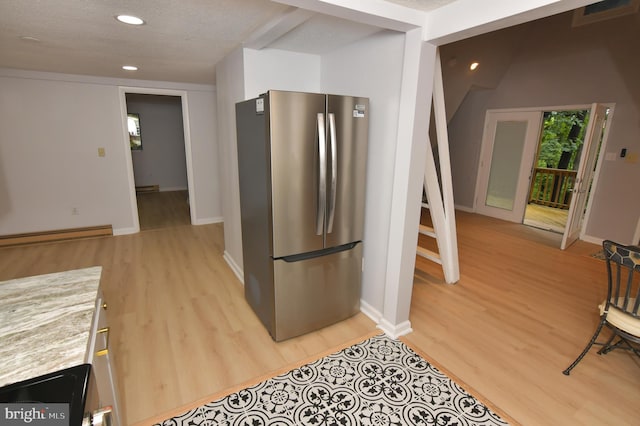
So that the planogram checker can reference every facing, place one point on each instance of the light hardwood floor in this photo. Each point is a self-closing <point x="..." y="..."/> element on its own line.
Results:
<point x="521" y="312"/>
<point x="180" y="328"/>
<point x="519" y="315"/>
<point x="163" y="209"/>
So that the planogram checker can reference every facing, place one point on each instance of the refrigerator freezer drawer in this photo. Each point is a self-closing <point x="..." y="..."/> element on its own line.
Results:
<point x="313" y="293"/>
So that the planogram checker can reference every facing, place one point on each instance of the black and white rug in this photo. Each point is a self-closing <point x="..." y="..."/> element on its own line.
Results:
<point x="379" y="382"/>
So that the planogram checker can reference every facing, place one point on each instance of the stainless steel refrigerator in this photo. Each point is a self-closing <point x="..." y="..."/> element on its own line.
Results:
<point x="301" y="164"/>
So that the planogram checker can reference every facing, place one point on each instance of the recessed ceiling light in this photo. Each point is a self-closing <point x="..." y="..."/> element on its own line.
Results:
<point x="129" y="19"/>
<point x="130" y="68"/>
<point x="473" y="66"/>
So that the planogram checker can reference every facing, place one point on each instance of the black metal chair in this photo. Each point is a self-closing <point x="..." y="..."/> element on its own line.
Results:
<point x="619" y="311"/>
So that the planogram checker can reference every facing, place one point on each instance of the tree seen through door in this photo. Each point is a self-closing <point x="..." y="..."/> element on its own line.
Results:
<point x="554" y="173"/>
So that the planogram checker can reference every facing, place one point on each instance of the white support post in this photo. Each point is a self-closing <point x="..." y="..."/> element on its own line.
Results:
<point x="441" y="203"/>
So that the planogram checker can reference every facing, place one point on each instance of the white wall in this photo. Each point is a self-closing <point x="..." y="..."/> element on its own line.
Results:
<point x="272" y="69"/>
<point x="373" y="68"/>
<point x="414" y="95"/>
<point x="245" y="74"/>
<point x="51" y="126"/>
<point x="205" y="156"/>
<point x="556" y="66"/>
<point x="161" y="161"/>
<point x="230" y="89"/>
<point x="50" y="132"/>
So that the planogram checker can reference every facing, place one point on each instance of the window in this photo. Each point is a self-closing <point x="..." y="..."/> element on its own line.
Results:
<point x="133" y="123"/>
<point x="602" y="10"/>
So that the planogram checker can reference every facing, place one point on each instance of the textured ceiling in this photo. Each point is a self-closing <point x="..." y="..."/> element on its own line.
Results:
<point x="181" y="40"/>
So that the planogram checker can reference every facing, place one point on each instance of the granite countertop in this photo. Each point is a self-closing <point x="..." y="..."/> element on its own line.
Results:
<point x="45" y="322"/>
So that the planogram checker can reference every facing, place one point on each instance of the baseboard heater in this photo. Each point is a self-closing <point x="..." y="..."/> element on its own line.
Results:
<point x="56" y="235"/>
<point x="148" y="188"/>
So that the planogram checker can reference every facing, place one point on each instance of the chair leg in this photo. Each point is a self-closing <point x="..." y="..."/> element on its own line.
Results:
<point x="608" y="347"/>
<point x="586" y="349"/>
<point x="622" y="343"/>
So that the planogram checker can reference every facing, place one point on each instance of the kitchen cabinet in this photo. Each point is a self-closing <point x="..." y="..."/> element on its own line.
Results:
<point x="57" y="321"/>
<point x="100" y="357"/>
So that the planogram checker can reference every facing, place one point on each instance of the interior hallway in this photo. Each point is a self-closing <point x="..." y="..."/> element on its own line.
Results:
<point x="163" y="209"/>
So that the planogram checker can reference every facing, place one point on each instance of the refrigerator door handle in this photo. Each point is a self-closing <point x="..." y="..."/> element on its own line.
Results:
<point x="334" y="171"/>
<point x="322" y="172"/>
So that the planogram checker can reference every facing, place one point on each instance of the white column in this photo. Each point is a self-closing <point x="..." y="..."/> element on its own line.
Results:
<point x="411" y="145"/>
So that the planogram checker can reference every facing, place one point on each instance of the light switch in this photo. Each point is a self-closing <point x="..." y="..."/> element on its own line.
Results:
<point x="610" y="156"/>
<point x="101" y="152"/>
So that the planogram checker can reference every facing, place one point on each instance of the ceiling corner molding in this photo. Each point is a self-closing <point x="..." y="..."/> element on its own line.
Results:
<point x="472" y="20"/>
<point x="276" y="28"/>
<point x="378" y="13"/>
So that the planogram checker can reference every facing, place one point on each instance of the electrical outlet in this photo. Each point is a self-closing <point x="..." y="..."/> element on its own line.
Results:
<point x="75" y="211"/>
<point x="101" y="152"/>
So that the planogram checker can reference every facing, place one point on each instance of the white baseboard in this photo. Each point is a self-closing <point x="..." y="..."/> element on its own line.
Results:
<point x="370" y="311"/>
<point x="234" y="266"/>
<point x="392" y="330"/>
<point x="395" y="330"/>
<point x="592" y="240"/>
<point x="209" y="220"/>
<point x="464" y="208"/>
<point x="598" y="241"/>
<point x="125" y="231"/>
<point x="173" y="188"/>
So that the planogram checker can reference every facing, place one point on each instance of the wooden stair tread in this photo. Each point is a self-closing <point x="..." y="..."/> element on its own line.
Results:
<point x="428" y="254"/>
<point x="427" y="230"/>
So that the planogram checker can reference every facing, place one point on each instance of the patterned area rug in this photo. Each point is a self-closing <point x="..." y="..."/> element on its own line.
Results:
<point x="377" y="382"/>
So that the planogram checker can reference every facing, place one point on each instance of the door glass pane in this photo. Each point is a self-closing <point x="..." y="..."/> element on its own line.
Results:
<point x="505" y="164"/>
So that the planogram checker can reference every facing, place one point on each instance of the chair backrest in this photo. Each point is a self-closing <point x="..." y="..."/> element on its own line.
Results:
<point x="623" y="269"/>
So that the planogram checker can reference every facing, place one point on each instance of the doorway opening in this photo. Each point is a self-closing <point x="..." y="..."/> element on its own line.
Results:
<point x="538" y="166"/>
<point x="555" y="169"/>
<point x="159" y="162"/>
<point x="156" y="132"/>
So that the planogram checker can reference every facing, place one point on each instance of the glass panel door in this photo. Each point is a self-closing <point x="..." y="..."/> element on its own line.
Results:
<point x="508" y="150"/>
<point x="508" y="145"/>
<point x="584" y="178"/>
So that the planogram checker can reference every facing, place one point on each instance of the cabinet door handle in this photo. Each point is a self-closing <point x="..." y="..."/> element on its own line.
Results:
<point x="104" y="351"/>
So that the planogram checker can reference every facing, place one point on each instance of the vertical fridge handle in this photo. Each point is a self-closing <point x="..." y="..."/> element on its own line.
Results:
<point x="333" y="146"/>
<point x="322" y="173"/>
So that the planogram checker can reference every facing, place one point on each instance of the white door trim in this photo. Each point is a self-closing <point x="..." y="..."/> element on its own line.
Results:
<point x="123" y="90"/>
<point x="596" y="175"/>
<point x="599" y="160"/>
<point x="533" y="118"/>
